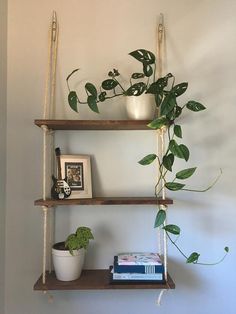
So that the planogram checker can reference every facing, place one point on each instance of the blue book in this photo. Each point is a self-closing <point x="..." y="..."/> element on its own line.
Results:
<point x="135" y="278"/>
<point x="141" y="269"/>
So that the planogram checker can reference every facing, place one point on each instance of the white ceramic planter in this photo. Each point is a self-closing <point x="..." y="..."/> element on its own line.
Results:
<point x="68" y="267"/>
<point x="140" y="107"/>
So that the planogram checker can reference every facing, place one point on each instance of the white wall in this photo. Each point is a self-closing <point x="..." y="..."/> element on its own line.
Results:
<point x="3" y="102"/>
<point x="97" y="36"/>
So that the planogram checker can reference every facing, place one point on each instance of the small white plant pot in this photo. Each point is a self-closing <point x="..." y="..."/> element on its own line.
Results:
<point x="140" y="107"/>
<point x="67" y="267"/>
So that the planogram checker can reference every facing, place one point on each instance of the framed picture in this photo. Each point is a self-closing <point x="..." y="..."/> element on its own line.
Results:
<point x="77" y="170"/>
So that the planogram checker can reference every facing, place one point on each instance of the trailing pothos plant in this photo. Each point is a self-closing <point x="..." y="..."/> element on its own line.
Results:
<point x="140" y="82"/>
<point x="166" y="93"/>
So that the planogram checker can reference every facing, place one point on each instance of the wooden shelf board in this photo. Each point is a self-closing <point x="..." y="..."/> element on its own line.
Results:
<point x="94" y="124"/>
<point x="105" y="201"/>
<point x="96" y="279"/>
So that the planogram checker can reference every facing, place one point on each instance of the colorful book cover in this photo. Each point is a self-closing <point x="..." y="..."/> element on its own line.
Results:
<point x="142" y="269"/>
<point x="134" y="278"/>
<point x="139" y="258"/>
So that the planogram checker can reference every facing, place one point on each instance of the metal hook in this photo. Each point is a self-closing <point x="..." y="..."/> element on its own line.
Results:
<point x="54" y="26"/>
<point x="161" y="23"/>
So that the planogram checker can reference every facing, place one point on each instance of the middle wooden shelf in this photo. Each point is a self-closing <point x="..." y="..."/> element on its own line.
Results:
<point x="105" y="201"/>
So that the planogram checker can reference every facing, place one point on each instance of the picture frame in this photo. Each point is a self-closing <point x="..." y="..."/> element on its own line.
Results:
<point x="77" y="171"/>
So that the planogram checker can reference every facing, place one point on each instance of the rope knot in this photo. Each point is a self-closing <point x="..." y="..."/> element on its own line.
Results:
<point x="163" y="207"/>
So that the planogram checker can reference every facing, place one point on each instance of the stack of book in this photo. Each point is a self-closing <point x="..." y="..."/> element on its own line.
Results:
<point x="137" y="267"/>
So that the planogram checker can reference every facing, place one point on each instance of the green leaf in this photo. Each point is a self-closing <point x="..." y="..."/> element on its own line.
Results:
<point x="193" y="258"/>
<point x="158" y="99"/>
<point x="174" y="186"/>
<point x="136" y="89"/>
<point x="179" y="89"/>
<point x="160" y="218"/>
<point x="158" y="86"/>
<point x="170" y="115"/>
<point x="72" y="243"/>
<point x="102" y="96"/>
<point x="176" y="149"/>
<point x="91" y="89"/>
<point x="84" y="232"/>
<point x="92" y="102"/>
<point x="185" y="151"/>
<point x="72" y="100"/>
<point x="158" y="123"/>
<point x="147" y="160"/>
<point x="186" y="173"/>
<point x="137" y="75"/>
<point x="172" y="229"/>
<point x="168" y="104"/>
<point x="226" y="249"/>
<point x="143" y="56"/>
<point x="178" y="111"/>
<point x="168" y="161"/>
<point x="195" y="106"/>
<point x="109" y="84"/>
<point x="178" y="131"/>
<point x="147" y="70"/>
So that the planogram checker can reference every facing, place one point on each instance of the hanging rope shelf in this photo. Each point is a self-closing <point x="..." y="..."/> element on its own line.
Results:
<point x="91" y="279"/>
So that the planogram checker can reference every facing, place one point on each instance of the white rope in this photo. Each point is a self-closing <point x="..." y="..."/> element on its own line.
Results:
<point x="160" y="137"/>
<point x="50" y="237"/>
<point x="50" y="85"/>
<point x="160" y="42"/>
<point x="45" y="132"/>
<point x="48" y="75"/>
<point x="164" y="207"/>
<point x="48" y="110"/>
<point x="45" y="214"/>
<point x="54" y="40"/>
<point x="159" y="37"/>
<point x="161" y="151"/>
<point x="49" y="295"/>
<point x="158" y="301"/>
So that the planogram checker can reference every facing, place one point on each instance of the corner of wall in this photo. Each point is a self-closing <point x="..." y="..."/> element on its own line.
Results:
<point x="3" y="106"/>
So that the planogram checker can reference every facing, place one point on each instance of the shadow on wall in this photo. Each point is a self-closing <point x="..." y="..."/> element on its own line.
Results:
<point x="186" y="277"/>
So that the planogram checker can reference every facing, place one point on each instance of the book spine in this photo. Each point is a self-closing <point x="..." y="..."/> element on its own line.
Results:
<point x="126" y="276"/>
<point x="148" y="269"/>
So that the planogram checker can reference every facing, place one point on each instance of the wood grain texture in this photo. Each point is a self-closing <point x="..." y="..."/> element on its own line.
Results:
<point x="96" y="279"/>
<point x="93" y="124"/>
<point x="105" y="201"/>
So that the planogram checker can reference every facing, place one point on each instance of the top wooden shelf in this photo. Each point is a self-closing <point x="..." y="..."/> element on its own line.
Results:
<point x="94" y="124"/>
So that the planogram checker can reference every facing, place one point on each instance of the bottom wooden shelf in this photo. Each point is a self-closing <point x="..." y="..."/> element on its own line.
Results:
<point x="95" y="279"/>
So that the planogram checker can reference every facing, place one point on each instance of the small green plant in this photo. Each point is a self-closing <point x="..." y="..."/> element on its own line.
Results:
<point x="79" y="239"/>
<point x="139" y="83"/>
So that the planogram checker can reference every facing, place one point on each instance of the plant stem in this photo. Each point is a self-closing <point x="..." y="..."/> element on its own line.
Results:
<point x="163" y="177"/>
<point x="173" y="83"/>
<point x="173" y="242"/>
<point x="154" y="73"/>
<point x="208" y="188"/>
<point x="109" y="97"/>
<point x="147" y="82"/>
<point x="81" y="102"/>
<point x="212" y="264"/>
<point x="130" y="81"/>
<point x="67" y="83"/>
<point x="185" y="256"/>
<point x="119" y="84"/>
